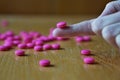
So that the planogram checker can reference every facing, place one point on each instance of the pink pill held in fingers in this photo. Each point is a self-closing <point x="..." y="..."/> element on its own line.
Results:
<point x="19" y="53"/>
<point x="56" y="46"/>
<point x="61" y="24"/>
<point x="44" y="63"/>
<point x="85" y="52"/>
<point x="89" y="60"/>
<point x="38" y="48"/>
<point x="47" y="47"/>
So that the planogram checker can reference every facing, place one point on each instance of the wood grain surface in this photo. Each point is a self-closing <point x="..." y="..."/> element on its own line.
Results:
<point x="67" y="63"/>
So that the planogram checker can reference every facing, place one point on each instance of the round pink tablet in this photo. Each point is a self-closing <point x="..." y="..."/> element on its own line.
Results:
<point x="19" y="53"/>
<point x="38" y="48"/>
<point x="56" y="46"/>
<point x="3" y="48"/>
<point x="39" y="42"/>
<point x="30" y="45"/>
<point x="47" y="47"/>
<point x="44" y="63"/>
<point x="16" y="42"/>
<point x="79" y="39"/>
<point x="86" y="38"/>
<point x="89" y="60"/>
<point x="61" y="24"/>
<point x="85" y="52"/>
<point x="22" y="46"/>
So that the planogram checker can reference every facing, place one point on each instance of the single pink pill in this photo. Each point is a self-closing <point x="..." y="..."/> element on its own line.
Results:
<point x="44" y="63"/>
<point x="86" y="38"/>
<point x="8" y="45"/>
<point x="89" y="60"/>
<point x="62" y="38"/>
<point x="79" y="39"/>
<point x="85" y="52"/>
<point x="3" y="48"/>
<point x="19" y="53"/>
<point x="38" y="48"/>
<point x="61" y="24"/>
<point x="56" y="46"/>
<point x="30" y="45"/>
<point x="9" y="33"/>
<point x="17" y="37"/>
<point x="47" y="47"/>
<point x="16" y="42"/>
<point x="38" y="42"/>
<point x="22" y="46"/>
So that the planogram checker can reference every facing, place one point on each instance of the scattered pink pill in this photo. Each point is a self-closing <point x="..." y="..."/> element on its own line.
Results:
<point x="9" y="33"/>
<point x="86" y="38"/>
<point x="8" y="45"/>
<point x="3" y="48"/>
<point x="56" y="46"/>
<point x="19" y="53"/>
<point x="30" y="45"/>
<point x="61" y="24"/>
<point x="62" y="38"/>
<point x="85" y="52"/>
<point x="79" y="39"/>
<point x="38" y="48"/>
<point x="44" y="63"/>
<point x="16" y="42"/>
<point x="22" y="46"/>
<point x="38" y="42"/>
<point x="89" y="60"/>
<point x="47" y="47"/>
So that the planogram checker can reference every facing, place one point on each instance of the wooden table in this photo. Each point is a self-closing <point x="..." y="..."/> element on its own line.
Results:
<point x="67" y="64"/>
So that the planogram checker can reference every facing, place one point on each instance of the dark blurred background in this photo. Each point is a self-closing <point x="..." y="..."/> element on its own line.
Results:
<point x="59" y="7"/>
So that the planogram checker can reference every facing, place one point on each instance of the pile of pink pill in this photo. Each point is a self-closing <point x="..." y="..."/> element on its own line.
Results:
<point x="28" y="40"/>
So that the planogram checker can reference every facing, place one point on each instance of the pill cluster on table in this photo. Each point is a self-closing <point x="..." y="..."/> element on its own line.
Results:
<point x="38" y="42"/>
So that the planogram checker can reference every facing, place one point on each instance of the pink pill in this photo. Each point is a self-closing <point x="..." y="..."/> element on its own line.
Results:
<point x="17" y="37"/>
<point x="56" y="46"/>
<point x="44" y="63"/>
<point x="62" y="38"/>
<point x="89" y="60"/>
<point x="19" y="53"/>
<point x="86" y="38"/>
<point x="3" y="48"/>
<point x="85" y="52"/>
<point x="9" y="33"/>
<point x="27" y="39"/>
<point x="3" y="36"/>
<point x="9" y="39"/>
<point x="47" y="47"/>
<point x="8" y="45"/>
<point x="22" y="46"/>
<point x="61" y="24"/>
<point x="39" y="42"/>
<point x="30" y="45"/>
<point x="16" y="42"/>
<point x="79" y="39"/>
<point x="38" y="48"/>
